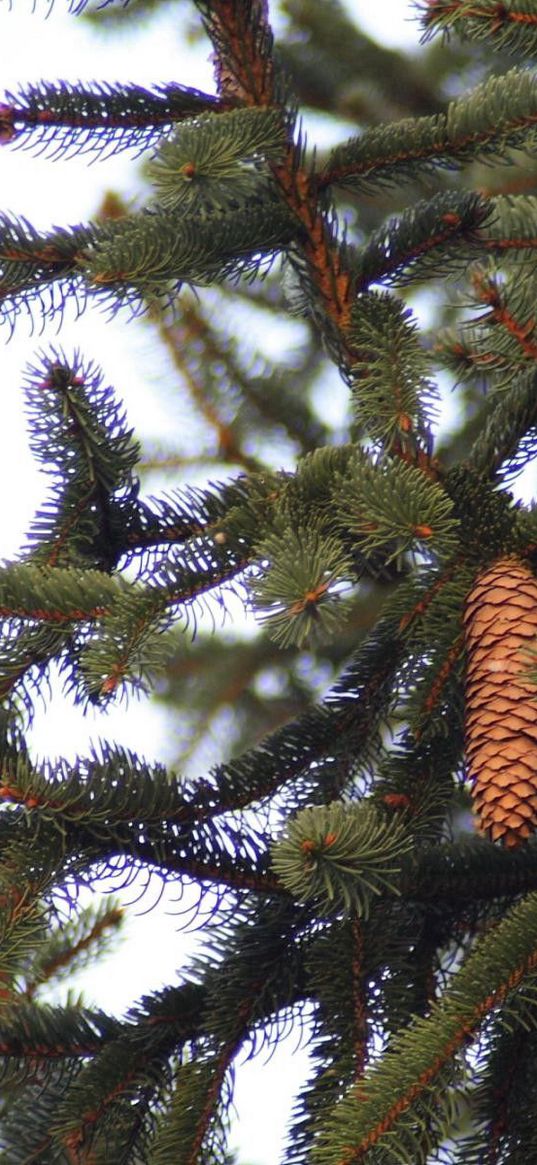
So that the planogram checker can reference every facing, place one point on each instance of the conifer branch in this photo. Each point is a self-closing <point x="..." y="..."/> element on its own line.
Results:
<point x="509" y="27"/>
<point x="74" y="946"/>
<point x="341" y="855"/>
<point x="243" y="42"/>
<point x="361" y="1025"/>
<point x="498" y="344"/>
<point x="69" y="1033"/>
<point x="244" y="67"/>
<point x="436" y="693"/>
<point x="488" y="292"/>
<point x="191" y="512"/>
<point x="500" y="113"/>
<point x="471" y="869"/>
<point x="212" y="162"/>
<point x="32" y="263"/>
<point x="345" y="723"/>
<point x="57" y="596"/>
<point x="133" y="1065"/>
<point x="144" y="1042"/>
<point x="499" y="1107"/>
<point x="392" y="509"/>
<point x="479" y="503"/>
<point x="297" y="594"/>
<point x="140" y="255"/>
<point x="512" y="227"/>
<point x="393" y="395"/>
<point x="24" y="659"/>
<point x="431" y="237"/>
<point x="74" y="419"/>
<point x="64" y="120"/>
<point x="22" y="919"/>
<point x="508" y="439"/>
<point x="52" y="1034"/>
<point x="390" y="1098"/>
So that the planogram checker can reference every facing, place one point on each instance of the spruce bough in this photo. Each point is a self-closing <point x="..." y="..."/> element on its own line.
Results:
<point x="344" y="886"/>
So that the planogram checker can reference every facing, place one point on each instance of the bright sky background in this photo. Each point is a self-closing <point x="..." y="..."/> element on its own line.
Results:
<point x="66" y="192"/>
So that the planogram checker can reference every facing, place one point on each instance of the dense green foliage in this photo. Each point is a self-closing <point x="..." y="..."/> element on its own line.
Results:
<point x="341" y="882"/>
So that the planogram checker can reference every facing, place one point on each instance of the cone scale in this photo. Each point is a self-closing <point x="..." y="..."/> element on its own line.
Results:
<point x="500" y="621"/>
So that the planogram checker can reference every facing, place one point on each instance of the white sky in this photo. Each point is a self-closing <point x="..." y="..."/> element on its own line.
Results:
<point x="66" y="192"/>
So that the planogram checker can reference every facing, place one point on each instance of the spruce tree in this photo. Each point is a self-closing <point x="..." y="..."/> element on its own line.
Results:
<point x="363" y="850"/>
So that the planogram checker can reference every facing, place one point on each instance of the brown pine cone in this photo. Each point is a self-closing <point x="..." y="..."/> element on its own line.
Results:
<point x="500" y="622"/>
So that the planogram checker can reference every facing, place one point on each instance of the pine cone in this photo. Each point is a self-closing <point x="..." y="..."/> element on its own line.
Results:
<point x="501" y="704"/>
